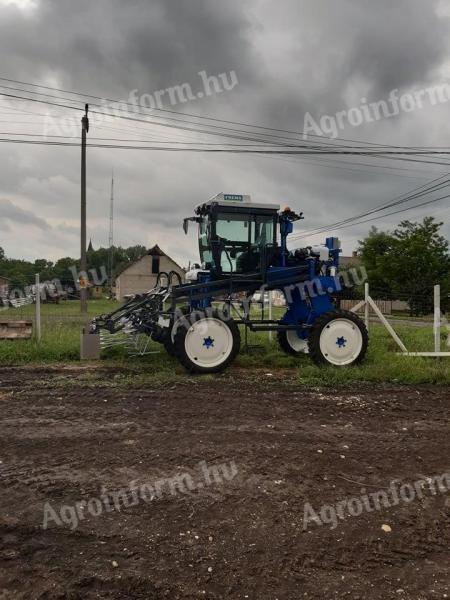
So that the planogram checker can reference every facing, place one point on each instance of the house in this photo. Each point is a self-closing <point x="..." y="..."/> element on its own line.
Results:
<point x="141" y="276"/>
<point x="350" y="261"/>
<point x="4" y="286"/>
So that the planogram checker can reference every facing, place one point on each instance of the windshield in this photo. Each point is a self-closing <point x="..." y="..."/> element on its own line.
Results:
<point x="243" y="238"/>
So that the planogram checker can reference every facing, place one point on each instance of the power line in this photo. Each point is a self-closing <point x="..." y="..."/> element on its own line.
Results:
<point x="395" y="212"/>
<point x="288" y="152"/>
<point x="343" y="151"/>
<point x="413" y="194"/>
<point x="184" y="114"/>
<point x="387" y="214"/>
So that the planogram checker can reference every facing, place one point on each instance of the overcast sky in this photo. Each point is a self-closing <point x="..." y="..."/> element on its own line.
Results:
<point x="282" y="59"/>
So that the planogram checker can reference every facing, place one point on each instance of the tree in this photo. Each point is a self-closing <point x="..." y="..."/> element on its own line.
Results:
<point x="22" y="273"/>
<point x="407" y="263"/>
<point x="375" y="254"/>
<point x="419" y="259"/>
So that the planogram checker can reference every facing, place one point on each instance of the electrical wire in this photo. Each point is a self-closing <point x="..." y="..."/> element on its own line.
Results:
<point x="413" y="194"/>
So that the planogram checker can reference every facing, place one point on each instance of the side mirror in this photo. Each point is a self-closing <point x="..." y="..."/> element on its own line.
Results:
<point x="185" y="225"/>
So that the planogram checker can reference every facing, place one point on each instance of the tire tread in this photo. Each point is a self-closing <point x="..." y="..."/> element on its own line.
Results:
<point x="314" y="337"/>
<point x="180" y="353"/>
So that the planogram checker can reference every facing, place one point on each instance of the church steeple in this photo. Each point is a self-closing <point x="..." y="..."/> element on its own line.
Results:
<point x="90" y="247"/>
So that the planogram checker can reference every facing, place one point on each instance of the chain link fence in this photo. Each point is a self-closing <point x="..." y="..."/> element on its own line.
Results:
<point x="47" y="307"/>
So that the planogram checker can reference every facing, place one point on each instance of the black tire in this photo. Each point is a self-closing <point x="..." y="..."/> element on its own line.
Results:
<point x="286" y="346"/>
<point x="232" y="338"/>
<point x="167" y="339"/>
<point x="323" y="322"/>
<point x="168" y="345"/>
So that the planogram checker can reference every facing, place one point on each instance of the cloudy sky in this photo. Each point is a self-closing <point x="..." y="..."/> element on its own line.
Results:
<point x="281" y="60"/>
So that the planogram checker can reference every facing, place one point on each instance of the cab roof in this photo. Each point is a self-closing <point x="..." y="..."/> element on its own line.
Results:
<point x="236" y="201"/>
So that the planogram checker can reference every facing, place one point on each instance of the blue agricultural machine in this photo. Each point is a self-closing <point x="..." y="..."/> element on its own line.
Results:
<point x="243" y="250"/>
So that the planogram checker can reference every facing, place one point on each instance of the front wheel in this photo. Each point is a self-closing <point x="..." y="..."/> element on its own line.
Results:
<point x="169" y="335"/>
<point x="338" y="338"/>
<point x="207" y="343"/>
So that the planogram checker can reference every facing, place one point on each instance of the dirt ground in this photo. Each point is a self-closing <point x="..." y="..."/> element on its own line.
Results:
<point x="234" y="533"/>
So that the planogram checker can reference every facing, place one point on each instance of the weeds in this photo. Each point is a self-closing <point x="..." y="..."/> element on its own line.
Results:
<point x="61" y="339"/>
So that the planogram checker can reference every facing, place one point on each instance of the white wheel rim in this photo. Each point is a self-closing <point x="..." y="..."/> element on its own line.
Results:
<point x="341" y="342"/>
<point x="208" y="342"/>
<point x="296" y="343"/>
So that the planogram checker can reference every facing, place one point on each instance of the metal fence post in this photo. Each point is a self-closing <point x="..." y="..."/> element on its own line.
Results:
<point x="437" y="318"/>
<point x="270" y="312"/>
<point x="366" y="305"/>
<point x="38" y="307"/>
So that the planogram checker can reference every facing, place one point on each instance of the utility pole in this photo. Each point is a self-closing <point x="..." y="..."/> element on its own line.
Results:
<point x="83" y="262"/>
<point x="111" y="237"/>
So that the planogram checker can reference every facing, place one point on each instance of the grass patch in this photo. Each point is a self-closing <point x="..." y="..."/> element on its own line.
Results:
<point x="65" y="311"/>
<point x="60" y="344"/>
<point x="382" y="364"/>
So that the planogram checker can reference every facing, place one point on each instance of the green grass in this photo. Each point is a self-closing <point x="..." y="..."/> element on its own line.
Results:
<point x="65" y="311"/>
<point x="382" y="364"/>
<point x="60" y="344"/>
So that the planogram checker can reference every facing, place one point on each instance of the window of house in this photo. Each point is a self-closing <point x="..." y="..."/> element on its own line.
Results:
<point x="155" y="265"/>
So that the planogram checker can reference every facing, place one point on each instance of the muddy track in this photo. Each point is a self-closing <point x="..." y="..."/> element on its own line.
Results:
<point x="237" y="532"/>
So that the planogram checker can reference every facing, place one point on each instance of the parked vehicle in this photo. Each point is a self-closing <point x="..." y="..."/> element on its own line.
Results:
<point x="239" y="253"/>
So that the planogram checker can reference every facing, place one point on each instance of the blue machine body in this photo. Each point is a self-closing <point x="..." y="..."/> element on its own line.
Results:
<point x="243" y="250"/>
<point x="308" y="282"/>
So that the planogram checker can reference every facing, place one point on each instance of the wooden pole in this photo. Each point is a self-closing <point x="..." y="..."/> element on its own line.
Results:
<point x="83" y="260"/>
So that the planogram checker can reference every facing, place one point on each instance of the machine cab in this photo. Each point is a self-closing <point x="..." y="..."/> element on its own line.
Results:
<point x="236" y="236"/>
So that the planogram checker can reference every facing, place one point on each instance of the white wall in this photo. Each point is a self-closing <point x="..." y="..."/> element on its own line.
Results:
<point x="138" y="278"/>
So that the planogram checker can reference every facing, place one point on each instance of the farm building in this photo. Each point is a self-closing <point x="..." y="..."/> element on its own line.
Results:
<point x="141" y="276"/>
<point x="4" y="286"/>
<point x="350" y="261"/>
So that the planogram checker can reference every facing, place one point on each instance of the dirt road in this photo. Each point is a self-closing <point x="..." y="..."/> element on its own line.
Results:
<point x="261" y="508"/>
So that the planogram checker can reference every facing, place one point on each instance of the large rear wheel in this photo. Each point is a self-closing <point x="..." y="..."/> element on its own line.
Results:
<point x="338" y="338"/>
<point x="206" y="343"/>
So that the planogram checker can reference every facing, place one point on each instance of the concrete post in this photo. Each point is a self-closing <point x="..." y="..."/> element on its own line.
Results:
<point x="437" y="318"/>
<point x="38" y="307"/>
<point x="270" y="313"/>
<point x="366" y="306"/>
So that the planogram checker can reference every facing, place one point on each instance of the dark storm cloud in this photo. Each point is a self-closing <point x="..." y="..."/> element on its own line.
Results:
<point x="400" y="45"/>
<point x="330" y="47"/>
<point x="290" y="57"/>
<point x="17" y="215"/>
<point x="113" y="46"/>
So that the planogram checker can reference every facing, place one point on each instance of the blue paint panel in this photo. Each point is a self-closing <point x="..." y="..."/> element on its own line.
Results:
<point x="205" y="302"/>
<point x="307" y="301"/>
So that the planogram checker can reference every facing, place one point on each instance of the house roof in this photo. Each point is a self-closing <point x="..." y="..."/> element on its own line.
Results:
<point x="153" y="251"/>
<point x="156" y="251"/>
<point x="349" y="260"/>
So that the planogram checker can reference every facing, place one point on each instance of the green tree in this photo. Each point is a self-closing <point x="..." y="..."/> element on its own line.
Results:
<point x="22" y="273"/>
<point x="419" y="259"/>
<point x="407" y="263"/>
<point x="375" y="253"/>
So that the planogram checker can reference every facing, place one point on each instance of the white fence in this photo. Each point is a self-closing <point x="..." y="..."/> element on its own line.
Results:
<point x="438" y="321"/>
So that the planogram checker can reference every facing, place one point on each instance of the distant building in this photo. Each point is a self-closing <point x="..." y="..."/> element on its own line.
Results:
<point x="141" y="276"/>
<point x="4" y="286"/>
<point x="350" y="261"/>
